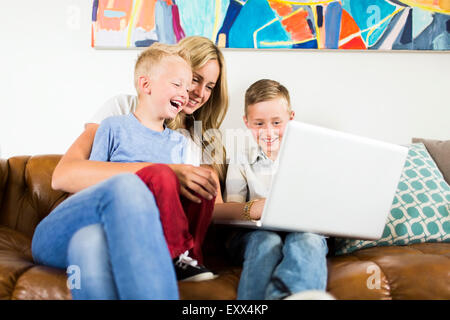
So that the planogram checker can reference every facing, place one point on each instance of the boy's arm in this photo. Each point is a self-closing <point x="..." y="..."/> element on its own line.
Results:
<point x="236" y="188"/>
<point x="235" y="195"/>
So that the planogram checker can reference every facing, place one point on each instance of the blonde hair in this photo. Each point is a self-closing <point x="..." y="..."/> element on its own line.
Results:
<point x="150" y="58"/>
<point x="213" y="112"/>
<point x="265" y="90"/>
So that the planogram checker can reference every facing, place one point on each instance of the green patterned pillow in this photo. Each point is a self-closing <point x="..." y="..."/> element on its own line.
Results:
<point x="420" y="210"/>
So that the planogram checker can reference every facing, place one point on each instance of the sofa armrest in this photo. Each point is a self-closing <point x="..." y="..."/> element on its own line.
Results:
<point x="15" y="259"/>
<point x="3" y="179"/>
<point x="20" y="277"/>
<point x="27" y="196"/>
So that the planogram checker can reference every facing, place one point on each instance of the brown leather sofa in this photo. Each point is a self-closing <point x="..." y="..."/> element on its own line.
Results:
<point x="420" y="271"/>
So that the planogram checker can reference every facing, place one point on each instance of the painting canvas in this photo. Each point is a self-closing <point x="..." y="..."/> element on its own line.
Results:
<point x="269" y="24"/>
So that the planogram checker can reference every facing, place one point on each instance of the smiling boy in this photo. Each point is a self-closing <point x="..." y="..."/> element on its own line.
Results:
<point x="162" y="79"/>
<point x="267" y="112"/>
<point x="276" y="265"/>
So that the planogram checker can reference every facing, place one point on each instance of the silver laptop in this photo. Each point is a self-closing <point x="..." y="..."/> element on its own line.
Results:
<point x="331" y="183"/>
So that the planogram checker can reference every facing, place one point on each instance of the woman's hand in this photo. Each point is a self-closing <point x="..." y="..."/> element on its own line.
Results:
<point x="257" y="209"/>
<point x="195" y="179"/>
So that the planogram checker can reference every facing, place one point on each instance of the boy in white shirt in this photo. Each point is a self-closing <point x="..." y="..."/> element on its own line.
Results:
<point x="276" y="265"/>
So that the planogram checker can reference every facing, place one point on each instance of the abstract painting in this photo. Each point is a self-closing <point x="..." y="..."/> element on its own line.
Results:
<point x="275" y="24"/>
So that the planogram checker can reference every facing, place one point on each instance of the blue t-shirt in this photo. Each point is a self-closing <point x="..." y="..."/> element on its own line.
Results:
<point x="125" y="139"/>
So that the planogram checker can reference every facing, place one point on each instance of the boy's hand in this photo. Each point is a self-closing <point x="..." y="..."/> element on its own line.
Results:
<point x="257" y="209"/>
<point x="197" y="179"/>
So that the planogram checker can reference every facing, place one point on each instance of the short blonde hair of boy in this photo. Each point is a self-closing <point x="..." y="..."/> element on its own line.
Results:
<point x="152" y="57"/>
<point x="265" y="90"/>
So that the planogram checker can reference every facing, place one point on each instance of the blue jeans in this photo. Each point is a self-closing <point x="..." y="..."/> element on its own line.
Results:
<point x="276" y="265"/>
<point x="88" y="249"/>
<point x="120" y="212"/>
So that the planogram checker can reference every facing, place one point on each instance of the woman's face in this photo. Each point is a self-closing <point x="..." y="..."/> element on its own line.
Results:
<point x="204" y="80"/>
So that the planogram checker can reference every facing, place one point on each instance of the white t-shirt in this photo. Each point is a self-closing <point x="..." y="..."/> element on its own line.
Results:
<point x="250" y="177"/>
<point x="124" y="104"/>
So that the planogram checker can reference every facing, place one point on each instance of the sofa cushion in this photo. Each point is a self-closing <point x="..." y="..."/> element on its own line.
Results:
<point x="420" y="210"/>
<point x="418" y="271"/>
<point x="440" y="151"/>
<point x="42" y="283"/>
<point x="22" y="279"/>
<point x="15" y="259"/>
<point x="27" y="193"/>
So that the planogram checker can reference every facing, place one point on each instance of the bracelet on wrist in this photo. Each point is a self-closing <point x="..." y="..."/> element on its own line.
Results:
<point x="247" y="208"/>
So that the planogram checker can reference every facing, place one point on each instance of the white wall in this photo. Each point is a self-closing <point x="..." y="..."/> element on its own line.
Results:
<point x="52" y="81"/>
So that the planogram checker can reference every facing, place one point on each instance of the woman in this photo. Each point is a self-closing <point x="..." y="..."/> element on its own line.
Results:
<point x="97" y="225"/>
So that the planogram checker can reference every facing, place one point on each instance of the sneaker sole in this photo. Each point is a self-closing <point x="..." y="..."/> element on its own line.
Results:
<point x="311" y="295"/>
<point x="201" y="277"/>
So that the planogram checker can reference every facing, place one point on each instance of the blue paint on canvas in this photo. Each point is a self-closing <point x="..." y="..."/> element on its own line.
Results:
<point x="164" y="24"/>
<point x="233" y="11"/>
<point x="333" y="25"/>
<point x="94" y="10"/>
<point x="253" y="16"/>
<point x="312" y="44"/>
<point x="114" y="14"/>
<point x="421" y="20"/>
<point x="199" y="16"/>
<point x="343" y="24"/>
<point x="270" y="37"/>
<point x="369" y="13"/>
<point x="376" y="34"/>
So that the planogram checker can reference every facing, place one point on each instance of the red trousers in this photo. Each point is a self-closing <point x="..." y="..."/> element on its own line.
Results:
<point x="184" y="222"/>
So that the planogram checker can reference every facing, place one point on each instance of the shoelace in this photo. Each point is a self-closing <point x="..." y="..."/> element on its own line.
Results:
<point x="184" y="260"/>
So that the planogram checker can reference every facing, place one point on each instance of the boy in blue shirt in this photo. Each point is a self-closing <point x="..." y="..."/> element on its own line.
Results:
<point x="276" y="265"/>
<point x="162" y="78"/>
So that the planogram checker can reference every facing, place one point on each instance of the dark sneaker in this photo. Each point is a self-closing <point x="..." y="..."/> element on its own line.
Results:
<point x="187" y="269"/>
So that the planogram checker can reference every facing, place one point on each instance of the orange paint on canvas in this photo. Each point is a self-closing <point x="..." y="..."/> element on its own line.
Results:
<point x="146" y="18"/>
<point x="281" y="8"/>
<point x="348" y="25"/>
<point x="433" y="5"/>
<point x="297" y="26"/>
<point x="444" y="4"/>
<point x="92" y="35"/>
<point x="106" y="23"/>
<point x="356" y="43"/>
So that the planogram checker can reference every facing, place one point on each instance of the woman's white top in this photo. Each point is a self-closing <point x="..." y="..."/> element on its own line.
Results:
<point x="124" y="104"/>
